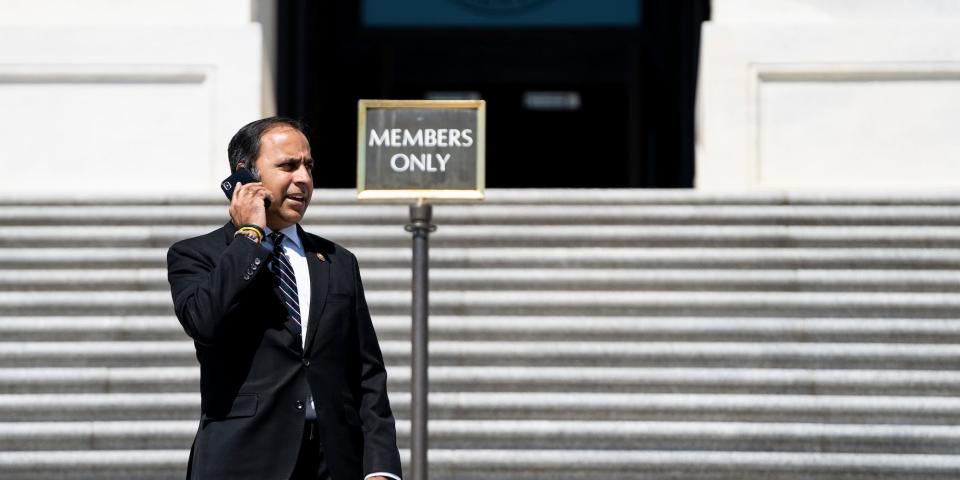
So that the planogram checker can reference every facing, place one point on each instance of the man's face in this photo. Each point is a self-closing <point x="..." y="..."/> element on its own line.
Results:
<point x="286" y="170"/>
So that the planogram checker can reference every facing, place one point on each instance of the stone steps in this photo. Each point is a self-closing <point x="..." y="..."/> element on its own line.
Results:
<point x="678" y="380"/>
<point x="508" y="214"/>
<point x="533" y="196"/>
<point x="543" y="302"/>
<point x="571" y="406"/>
<point x="531" y="328"/>
<point x="531" y="434"/>
<point x="836" y="280"/>
<point x="476" y="464"/>
<point x="545" y="257"/>
<point x="569" y="353"/>
<point x="905" y="236"/>
<point x="575" y="334"/>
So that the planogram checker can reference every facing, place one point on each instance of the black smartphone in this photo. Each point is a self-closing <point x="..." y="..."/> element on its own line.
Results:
<point x="243" y="176"/>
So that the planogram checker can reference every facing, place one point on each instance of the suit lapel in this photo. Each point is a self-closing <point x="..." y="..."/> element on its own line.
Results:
<point x="319" y="266"/>
<point x="289" y="324"/>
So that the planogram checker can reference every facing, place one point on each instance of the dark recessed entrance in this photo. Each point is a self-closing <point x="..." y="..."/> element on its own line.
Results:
<point x="579" y="94"/>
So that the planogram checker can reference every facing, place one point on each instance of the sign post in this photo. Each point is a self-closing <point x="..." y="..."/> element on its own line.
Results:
<point x="420" y="151"/>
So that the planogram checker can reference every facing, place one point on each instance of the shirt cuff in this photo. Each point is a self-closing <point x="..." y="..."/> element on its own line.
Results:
<point x="382" y="474"/>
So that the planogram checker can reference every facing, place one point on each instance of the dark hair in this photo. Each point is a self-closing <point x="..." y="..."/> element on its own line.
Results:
<point x="244" y="147"/>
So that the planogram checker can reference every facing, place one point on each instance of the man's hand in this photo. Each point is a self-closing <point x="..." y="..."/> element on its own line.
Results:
<point x="246" y="206"/>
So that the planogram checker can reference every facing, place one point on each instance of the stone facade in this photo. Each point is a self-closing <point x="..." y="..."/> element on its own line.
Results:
<point x="120" y="97"/>
<point x="819" y="94"/>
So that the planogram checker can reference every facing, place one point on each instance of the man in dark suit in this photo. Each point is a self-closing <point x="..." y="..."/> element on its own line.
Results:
<point x="292" y="380"/>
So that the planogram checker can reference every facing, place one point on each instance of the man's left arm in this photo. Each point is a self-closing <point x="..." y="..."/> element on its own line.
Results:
<point x="380" y="455"/>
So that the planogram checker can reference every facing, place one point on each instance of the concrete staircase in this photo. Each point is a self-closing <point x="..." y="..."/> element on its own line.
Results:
<point x="574" y="334"/>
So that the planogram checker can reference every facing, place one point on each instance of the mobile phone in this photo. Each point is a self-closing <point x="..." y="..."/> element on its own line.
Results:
<point x="243" y="176"/>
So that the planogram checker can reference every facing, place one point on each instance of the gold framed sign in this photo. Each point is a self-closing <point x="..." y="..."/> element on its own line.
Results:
<point x="421" y="150"/>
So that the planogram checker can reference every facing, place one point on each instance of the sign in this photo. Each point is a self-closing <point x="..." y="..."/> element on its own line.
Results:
<point x="501" y="13"/>
<point x="420" y="149"/>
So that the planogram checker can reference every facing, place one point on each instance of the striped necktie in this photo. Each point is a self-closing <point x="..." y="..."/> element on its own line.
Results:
<point x="280" y="266"/>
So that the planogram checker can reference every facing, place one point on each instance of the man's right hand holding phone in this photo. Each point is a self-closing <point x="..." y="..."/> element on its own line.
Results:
<point x="247" y="206"/>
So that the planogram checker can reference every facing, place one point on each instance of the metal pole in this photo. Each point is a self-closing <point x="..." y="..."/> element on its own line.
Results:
<point x="420" y="216"/>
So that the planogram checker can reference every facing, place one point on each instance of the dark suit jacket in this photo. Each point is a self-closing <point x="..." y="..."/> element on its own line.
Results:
<point x="253" y="370"/>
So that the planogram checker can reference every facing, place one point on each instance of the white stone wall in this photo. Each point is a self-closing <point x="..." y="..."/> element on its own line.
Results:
<point x="826" y="94"/>
<point x="119" y="97"/>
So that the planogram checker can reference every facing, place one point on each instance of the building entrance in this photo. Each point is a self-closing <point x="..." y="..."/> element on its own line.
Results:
<point x="579" y="94"/>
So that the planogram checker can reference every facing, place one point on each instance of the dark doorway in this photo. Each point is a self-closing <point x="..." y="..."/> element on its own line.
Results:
<point x="606" y="102"/>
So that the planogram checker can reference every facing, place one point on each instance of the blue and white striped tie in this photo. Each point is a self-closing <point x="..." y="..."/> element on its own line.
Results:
<point x="280" y="266"/>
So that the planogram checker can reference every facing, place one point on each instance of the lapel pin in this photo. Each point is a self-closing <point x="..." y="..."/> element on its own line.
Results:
<point x="321" y="257"/>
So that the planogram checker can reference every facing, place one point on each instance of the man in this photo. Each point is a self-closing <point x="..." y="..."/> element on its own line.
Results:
<point x="292" y="380"/>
